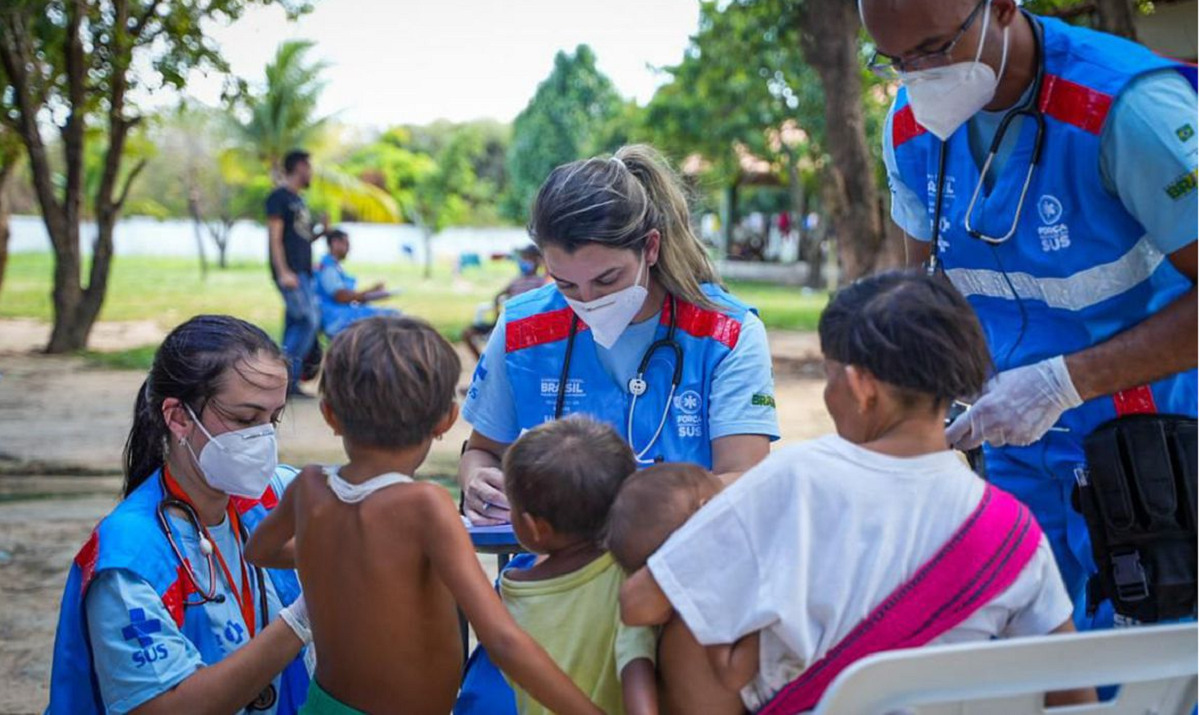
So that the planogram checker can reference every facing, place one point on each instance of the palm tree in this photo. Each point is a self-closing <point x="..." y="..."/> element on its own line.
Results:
<point x="284" y="117"/>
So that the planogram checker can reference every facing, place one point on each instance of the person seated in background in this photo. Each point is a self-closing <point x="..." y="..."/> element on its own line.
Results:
<point x="529" y="263"/>
<point x="562" y="479"/>
<point x="384" y="561"/>
<point x="341" y="304"/>
<point x="872" y="539"/>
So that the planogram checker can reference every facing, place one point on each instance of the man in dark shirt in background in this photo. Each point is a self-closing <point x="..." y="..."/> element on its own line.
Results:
<point x="290" y="233"/>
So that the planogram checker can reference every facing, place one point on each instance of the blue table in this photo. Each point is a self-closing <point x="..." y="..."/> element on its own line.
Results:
<point x="498" y="540"/>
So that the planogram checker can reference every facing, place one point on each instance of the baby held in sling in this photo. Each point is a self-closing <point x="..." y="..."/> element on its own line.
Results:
<point x="874" y="538"/>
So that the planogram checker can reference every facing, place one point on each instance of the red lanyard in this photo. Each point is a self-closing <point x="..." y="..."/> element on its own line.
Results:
<point x="246" y="600"/>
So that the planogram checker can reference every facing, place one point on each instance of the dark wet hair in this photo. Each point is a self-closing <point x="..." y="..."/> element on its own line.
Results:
<point x="616" y="202"/>
<point x="390" y="380"/>
<point x="568" y="473"/>
<point x="293" y="159"/>
<point x="911" y="331"/>
<point x="188" y="366"/>
<point x="336" y="234"/>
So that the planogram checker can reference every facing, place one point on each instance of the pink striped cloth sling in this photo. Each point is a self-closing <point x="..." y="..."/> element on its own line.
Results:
<point x="981" y="560"/>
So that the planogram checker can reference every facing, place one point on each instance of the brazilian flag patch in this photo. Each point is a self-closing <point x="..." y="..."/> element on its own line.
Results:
<point x="1185" y="132"/>
<point x="760" y="400"/>
<point x="1182" y="186"/>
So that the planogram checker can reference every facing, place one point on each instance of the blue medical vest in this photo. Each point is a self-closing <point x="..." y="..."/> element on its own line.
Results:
<point x="131" y="538"/>
<point x="1082" y="266"/>
<point x="537" y="328"/>
<point x="335" y="316"/>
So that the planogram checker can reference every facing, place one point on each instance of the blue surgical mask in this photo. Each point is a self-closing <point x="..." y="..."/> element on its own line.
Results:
<point x="527" y="268"/>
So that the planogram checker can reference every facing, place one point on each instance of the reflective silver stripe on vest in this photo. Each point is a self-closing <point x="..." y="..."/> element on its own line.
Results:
<point x="1077" y="292"/>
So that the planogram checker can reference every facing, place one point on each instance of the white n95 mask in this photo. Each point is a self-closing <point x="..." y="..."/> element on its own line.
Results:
<point x="943" y="98"/>
<point x="608" y="316"/>
<point x="239" y="463"/>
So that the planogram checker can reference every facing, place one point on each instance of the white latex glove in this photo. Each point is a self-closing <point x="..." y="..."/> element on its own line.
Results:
<point x="296" y="617"/>
<point x="1017" y="407"/>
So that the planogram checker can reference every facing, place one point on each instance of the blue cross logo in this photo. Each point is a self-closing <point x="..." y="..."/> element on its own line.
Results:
<point x="1050" y="208"/>
<point x="233" y="632"/>
<point x="141" y="627"/>
<point x="688" y="402"/>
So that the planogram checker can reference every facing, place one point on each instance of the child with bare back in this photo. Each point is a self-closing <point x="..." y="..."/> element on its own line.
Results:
<point x="650" y="506"/>
<point x="383" y="559"/>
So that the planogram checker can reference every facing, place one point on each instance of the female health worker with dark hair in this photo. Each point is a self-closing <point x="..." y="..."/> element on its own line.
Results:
<point x="634" y="331"/>
<point x="161" y="612"/>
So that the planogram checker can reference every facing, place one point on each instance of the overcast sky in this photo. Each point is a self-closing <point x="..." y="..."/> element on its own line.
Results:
<point x="414" y="61"/>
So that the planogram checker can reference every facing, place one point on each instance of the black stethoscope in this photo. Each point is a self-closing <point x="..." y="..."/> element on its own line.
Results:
<point x="210" y="594"/>
<point x="637" y="385"/>
<point x="1030" y="108"/>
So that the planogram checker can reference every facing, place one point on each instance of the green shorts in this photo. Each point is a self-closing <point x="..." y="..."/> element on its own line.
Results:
<point x="322" y="703"/>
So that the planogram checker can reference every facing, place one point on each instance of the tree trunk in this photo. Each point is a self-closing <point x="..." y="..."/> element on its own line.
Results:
<point x="220" y="232"/>
<point x="7" y="169"/>
<point x="729" y="218"/>
<point x="1116" y="17"/>
<point x="75" y="308"/>
<point x="828" y="31"/>
<point x="197" y="225"/>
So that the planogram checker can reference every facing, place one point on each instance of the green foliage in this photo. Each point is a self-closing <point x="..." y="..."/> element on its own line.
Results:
<point x="1057" y="7"/>
<point x="745" y="86"/>
<point x="741" y="80"/>
<point x="571" y="109"/>
<point x="441" y="175"/>
<point x="282" y="116"/>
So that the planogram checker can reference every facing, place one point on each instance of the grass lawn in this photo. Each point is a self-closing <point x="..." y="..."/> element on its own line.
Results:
<point x="170" y="290"/>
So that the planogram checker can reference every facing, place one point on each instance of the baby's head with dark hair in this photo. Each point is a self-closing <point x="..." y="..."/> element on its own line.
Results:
<point x="389" y="381"/>
<point x="911" y="331"/>
<point x="651" y="506"/>
<point x="567" y="473"/>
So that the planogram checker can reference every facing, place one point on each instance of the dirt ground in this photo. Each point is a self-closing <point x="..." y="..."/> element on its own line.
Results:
<point x="62" y="427"/>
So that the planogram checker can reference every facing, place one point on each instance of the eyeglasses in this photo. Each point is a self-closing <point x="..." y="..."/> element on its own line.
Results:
<point x="889" y="68"/>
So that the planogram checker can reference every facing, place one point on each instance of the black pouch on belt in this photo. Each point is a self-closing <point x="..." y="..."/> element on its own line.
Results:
<point x="1139" y="500"/>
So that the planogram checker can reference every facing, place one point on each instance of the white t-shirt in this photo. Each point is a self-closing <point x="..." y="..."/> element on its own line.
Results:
<point x="805" y="545"/>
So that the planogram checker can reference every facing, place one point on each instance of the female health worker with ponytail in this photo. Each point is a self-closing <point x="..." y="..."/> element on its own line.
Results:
<point x="635" y="331"/>
<point x="161" y="612"/>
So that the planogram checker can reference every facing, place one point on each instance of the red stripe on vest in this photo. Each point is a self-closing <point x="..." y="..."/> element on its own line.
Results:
<point x="176" y="596"/>
<point x="702" y="323"/>
<point x="86" y="561"/>
<point x="549" y="327"/>
<point x="1074" y="104"/>
<point x="1135" y="401"/>
<point x="243" y="504"/>
<point x="905" y="126"/>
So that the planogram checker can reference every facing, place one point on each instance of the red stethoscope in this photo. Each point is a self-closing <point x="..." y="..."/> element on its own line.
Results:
<point x="175" y="498"/>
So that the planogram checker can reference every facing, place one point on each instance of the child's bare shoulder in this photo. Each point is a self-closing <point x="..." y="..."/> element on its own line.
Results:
<point x="312" y="475"/>
<point x="423" y="501"/>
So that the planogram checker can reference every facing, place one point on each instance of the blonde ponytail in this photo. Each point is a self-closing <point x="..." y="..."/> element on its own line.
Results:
<point x="683" y="264"/>
<point x="616" y="202"/>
